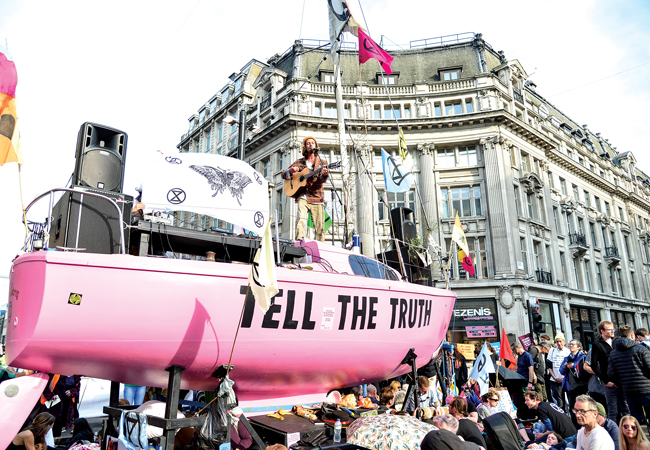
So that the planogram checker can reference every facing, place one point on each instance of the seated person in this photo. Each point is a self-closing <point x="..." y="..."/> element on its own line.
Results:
<point x="371" y="390"/>
<point x="33" y="437"/>
<point x="467" y="429"/>
<point x="445" y="437"/>
<point x="386" y="399"/>
<point x="489" y="405"/>
<point x="426" y="396"/>
<point x="240" y="438"/>
<point x="552" y="417"/>
<point x="81" y="431"/>
<point x="553" y="442"/>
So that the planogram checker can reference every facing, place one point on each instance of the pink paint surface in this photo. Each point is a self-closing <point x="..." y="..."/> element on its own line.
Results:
<point x="138" y="316"/>
<point x="17" y="398"/>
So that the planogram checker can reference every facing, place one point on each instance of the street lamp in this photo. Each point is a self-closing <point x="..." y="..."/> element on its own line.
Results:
<point x="230" y="120"/>
<point x="242" y="125"/>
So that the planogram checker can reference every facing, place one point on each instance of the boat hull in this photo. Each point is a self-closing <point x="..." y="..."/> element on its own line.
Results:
<point x="127" y="318"/>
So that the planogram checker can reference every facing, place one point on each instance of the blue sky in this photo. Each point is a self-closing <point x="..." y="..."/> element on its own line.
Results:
<point x="146" y="66"/>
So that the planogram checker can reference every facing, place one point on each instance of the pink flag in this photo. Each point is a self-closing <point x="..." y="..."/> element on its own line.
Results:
<point x="369" y="49"/>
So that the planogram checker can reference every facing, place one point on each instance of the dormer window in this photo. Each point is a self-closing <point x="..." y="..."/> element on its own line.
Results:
<point x="326" y="77"/>
<point x="389" y="79"/>
<point x="386" y="80"/>
<point x="543" y="111"/>
<point x="449" y="74"/>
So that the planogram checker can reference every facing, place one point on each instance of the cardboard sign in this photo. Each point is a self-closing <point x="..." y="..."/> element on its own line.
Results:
<point x="467" y="350"/>
<point x="526" y="341"/>
<point x="496" y="346"/>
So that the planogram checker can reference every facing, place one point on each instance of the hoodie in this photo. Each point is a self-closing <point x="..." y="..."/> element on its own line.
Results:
<point x="629" y="367"/>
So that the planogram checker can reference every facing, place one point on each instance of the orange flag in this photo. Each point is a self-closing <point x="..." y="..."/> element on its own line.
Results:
<point x="9" y="142"/>
<point x="505" y="351"/>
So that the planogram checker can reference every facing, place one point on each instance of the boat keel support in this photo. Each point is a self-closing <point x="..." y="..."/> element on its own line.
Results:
<point x="409" y="359"/>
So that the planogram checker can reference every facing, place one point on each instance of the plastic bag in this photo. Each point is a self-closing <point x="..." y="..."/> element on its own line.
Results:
<point x="215" y="432"/>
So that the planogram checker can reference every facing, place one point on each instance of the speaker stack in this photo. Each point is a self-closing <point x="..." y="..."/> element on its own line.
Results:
<point x="404" y="229"/>
<point x="84" y="221"/>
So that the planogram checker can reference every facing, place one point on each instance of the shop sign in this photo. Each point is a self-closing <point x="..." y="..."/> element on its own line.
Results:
<point x="481" y="331"/>
<point x="482" y="313"/>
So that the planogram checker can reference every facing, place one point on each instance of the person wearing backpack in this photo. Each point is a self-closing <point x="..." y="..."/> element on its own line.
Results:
<point x="539" y="352"/>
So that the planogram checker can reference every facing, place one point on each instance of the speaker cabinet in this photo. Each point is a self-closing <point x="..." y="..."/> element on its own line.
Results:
<point x="403" y="224"/>
<point x="416" y="270"/>
<point x="101" y="153"/>
<point x="85" y="221"/>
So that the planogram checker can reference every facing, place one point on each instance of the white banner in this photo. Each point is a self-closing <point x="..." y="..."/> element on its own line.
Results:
<point x="209" y="184"/>
<point x="482" y="369"/>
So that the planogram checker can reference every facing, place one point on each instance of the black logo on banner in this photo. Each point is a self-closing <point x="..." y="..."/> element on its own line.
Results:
<point x="395" y="172"/>
<point x="256" y="274"/>
<point x="343" y="16"/>
<point x="259" y="219"/>
<point x="173" y="160"/>
<point x="368" y="45"/>
<point x="220" y="179"/>
<point x="176" y="196"/>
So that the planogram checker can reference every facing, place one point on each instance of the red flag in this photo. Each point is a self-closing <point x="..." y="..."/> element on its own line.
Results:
<point x="466" y="262"/>
<point x="505" y="351"/>
<point x="369" y="49"/>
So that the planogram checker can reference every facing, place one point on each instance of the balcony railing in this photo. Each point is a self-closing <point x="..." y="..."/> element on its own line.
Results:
<point x="578" y="239"/>
<point x="544" y="277"/>
<point x="611" y="252"/>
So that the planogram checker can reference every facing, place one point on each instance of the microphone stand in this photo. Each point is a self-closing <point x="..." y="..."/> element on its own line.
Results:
<point x="320" y="161"/>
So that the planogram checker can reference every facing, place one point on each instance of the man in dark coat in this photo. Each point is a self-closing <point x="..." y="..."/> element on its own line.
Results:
<point x="600" y="363"/>
<point x="629" y="368"/>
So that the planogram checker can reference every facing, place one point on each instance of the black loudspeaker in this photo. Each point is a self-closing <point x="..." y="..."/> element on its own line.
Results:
<point x="416" y="269"/>
<point x="85" y="221"/>
<point x="403" y="224"/>
<point x="101" y="153"/>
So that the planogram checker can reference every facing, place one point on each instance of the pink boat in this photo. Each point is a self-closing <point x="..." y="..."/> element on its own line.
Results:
<point x="127" y="318"/>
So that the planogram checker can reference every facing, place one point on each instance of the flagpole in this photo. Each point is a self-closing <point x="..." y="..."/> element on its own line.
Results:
<point x="22" y="203"/>
<point x="340" y="113"/>
<point x="451" y="255"/>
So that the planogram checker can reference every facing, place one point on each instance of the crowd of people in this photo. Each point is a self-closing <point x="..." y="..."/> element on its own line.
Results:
<point x="566" y="397"/>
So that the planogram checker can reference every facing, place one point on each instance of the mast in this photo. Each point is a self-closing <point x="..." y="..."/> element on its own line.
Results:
<point x="348" y="208"/>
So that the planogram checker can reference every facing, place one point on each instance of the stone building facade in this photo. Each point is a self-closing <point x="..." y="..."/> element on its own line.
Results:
<point x="550" y="209"/>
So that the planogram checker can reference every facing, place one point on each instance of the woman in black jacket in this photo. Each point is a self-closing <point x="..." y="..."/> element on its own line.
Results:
<point x="460" y="368"/>
<point x="81" y="432"/>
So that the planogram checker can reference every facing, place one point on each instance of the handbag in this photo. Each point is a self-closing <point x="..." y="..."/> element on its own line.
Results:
<point x="133" y="430"/>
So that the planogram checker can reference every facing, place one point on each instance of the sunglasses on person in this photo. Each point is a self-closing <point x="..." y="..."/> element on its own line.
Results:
<point x="630" y="427"/>
<point x="493" y="399"/>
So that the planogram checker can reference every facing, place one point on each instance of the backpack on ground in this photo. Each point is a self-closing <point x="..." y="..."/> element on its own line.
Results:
<point x="502" y="433"/>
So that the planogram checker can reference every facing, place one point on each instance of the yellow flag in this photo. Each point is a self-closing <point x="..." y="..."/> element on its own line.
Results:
<point x="458" y="236"/>
<point x="403" y="151"/>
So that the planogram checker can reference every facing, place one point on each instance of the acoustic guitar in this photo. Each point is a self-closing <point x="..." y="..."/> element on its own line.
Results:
<point x="295" y="186"/>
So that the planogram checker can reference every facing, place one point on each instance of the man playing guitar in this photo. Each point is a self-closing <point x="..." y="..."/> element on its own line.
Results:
<point x="313" y="197"/>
